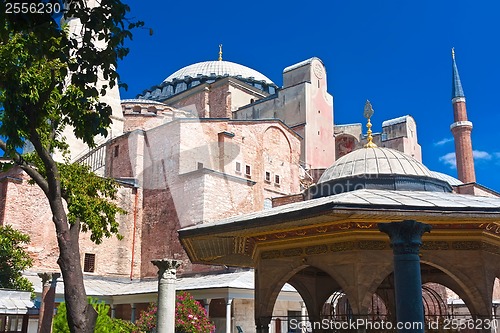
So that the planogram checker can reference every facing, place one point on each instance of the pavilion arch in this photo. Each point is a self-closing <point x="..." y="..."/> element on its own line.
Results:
<point x="272" y="276"/>
<point x="477" y="300"/>
<point x="374" y="285"/>
<point x="315" y="286"/>
<point x="269" y="280"/>
<point x="438" y="270"/>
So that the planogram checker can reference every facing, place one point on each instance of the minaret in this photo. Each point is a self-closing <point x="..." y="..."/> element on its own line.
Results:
<point x="461" y="129"/>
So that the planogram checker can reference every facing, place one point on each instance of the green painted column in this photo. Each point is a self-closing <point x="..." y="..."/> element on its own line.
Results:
<point x="406" y="239"/>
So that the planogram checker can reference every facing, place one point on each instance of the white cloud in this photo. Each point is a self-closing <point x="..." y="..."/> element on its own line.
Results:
<point x="481" y="155"/>
<point x="443" y="141"/>
<point x="450" y="160"/>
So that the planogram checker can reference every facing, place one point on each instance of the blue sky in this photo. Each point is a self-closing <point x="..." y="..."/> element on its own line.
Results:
<point x="395" y="53"/>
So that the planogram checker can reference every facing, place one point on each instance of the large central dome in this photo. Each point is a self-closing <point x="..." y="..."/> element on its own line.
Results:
<point x="207" y="72"/>
<point x="217" y="68"/>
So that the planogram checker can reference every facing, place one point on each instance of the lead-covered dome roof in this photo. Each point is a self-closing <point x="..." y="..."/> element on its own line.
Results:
<point x="377" y="168"/>
<point x="217" y="68"/>
<point x="207" y="72"/>
<point x="375" y="161"/>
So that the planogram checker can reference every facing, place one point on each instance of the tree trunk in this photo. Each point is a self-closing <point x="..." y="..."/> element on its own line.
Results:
<point x="81" y="315"/>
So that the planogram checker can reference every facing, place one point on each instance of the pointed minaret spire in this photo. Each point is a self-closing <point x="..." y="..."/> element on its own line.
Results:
<point x="461" y="128"/>
<point x="220" y="52"/>
<point x="456" y="89"/>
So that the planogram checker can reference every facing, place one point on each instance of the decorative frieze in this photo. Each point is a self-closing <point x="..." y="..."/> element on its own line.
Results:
<point x="317" y="249"/>
<point x="294" y="252"/>
<point x="435" y="245"/>
<point x="325" y="248"/>
<point x="466" y="245"/>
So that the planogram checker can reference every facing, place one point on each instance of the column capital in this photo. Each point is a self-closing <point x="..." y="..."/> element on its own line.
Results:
<point x="49" y="277"/>
<point x="406" y="236"/>
<point x="166" y="293"/>
<point x="166" y="267"/>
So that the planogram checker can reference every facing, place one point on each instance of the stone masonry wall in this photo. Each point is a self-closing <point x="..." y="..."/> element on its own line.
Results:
<point x="27" y="210"/>
<point x="196" y="102"/>
<point x="220" y="103"/>
<point x="180" y="187"/>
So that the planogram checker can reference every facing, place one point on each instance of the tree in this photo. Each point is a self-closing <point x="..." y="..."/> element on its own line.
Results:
<point x="48" y="83"/>
<point x="104" y="323"/>
<point x="14" y="259"/>
<point x="190" y="317"/>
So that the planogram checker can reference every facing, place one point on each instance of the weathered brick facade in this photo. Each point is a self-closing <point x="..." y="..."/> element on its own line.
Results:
<point x="188" y="172"/>
<point x="25" y="208"/>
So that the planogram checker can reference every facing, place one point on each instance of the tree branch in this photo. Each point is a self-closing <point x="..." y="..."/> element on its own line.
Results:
<point x="51" y="170"/>
<point x="43" y="100"/>
<point x="35" y="175"/>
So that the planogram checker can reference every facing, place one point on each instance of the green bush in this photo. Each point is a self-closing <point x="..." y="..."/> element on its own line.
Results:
<point x="104" y="323"/>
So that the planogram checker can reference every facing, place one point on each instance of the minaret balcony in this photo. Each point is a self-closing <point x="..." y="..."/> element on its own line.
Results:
<point x="464" y="123"/>
<point x="458" y="99"/>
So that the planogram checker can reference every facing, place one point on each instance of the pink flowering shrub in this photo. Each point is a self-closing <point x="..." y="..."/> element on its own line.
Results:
<point x="190" y="317"/>
<point x="147" y="320"/>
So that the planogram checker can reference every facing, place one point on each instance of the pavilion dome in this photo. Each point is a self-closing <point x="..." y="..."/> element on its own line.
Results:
<point x="375" y="161"/>
<point x="217" y="68"/>
<point x="377" y="168"/>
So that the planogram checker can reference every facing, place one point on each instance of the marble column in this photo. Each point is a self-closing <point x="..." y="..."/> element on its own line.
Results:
<point x="303" y="313"/>
<point x="229" y="315"/>
<point x="206" y="303"/>
<point x="49" y="281"/>
<point x="132" y="312"/>
<point x="406" y="239"/>
<point x="167" y="270"/>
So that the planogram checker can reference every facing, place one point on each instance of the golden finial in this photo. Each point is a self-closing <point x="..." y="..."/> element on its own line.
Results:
<point x="220" y="52"/>
<point x="453" y="53"/>
<point x="368" y="113"/>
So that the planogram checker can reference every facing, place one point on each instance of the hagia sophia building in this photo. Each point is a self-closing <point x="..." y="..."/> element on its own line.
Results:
<point x="230" y="174"/>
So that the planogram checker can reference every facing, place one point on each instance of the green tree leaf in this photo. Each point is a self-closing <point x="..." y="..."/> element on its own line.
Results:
<point x="14" y="259"/>
<point x="49" y="83"/>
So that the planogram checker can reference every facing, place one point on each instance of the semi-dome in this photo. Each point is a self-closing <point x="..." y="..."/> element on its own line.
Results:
<point x="377" y="168"/>
<point x="217" y="68"/>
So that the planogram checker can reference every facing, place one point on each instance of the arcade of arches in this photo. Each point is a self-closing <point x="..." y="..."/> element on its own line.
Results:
<point x="332" y="244"/>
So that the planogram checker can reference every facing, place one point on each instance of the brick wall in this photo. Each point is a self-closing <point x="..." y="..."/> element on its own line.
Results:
<point x="189" y="177"/>
<point x="288" y="199"/>
<point x="27" y="210"/>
